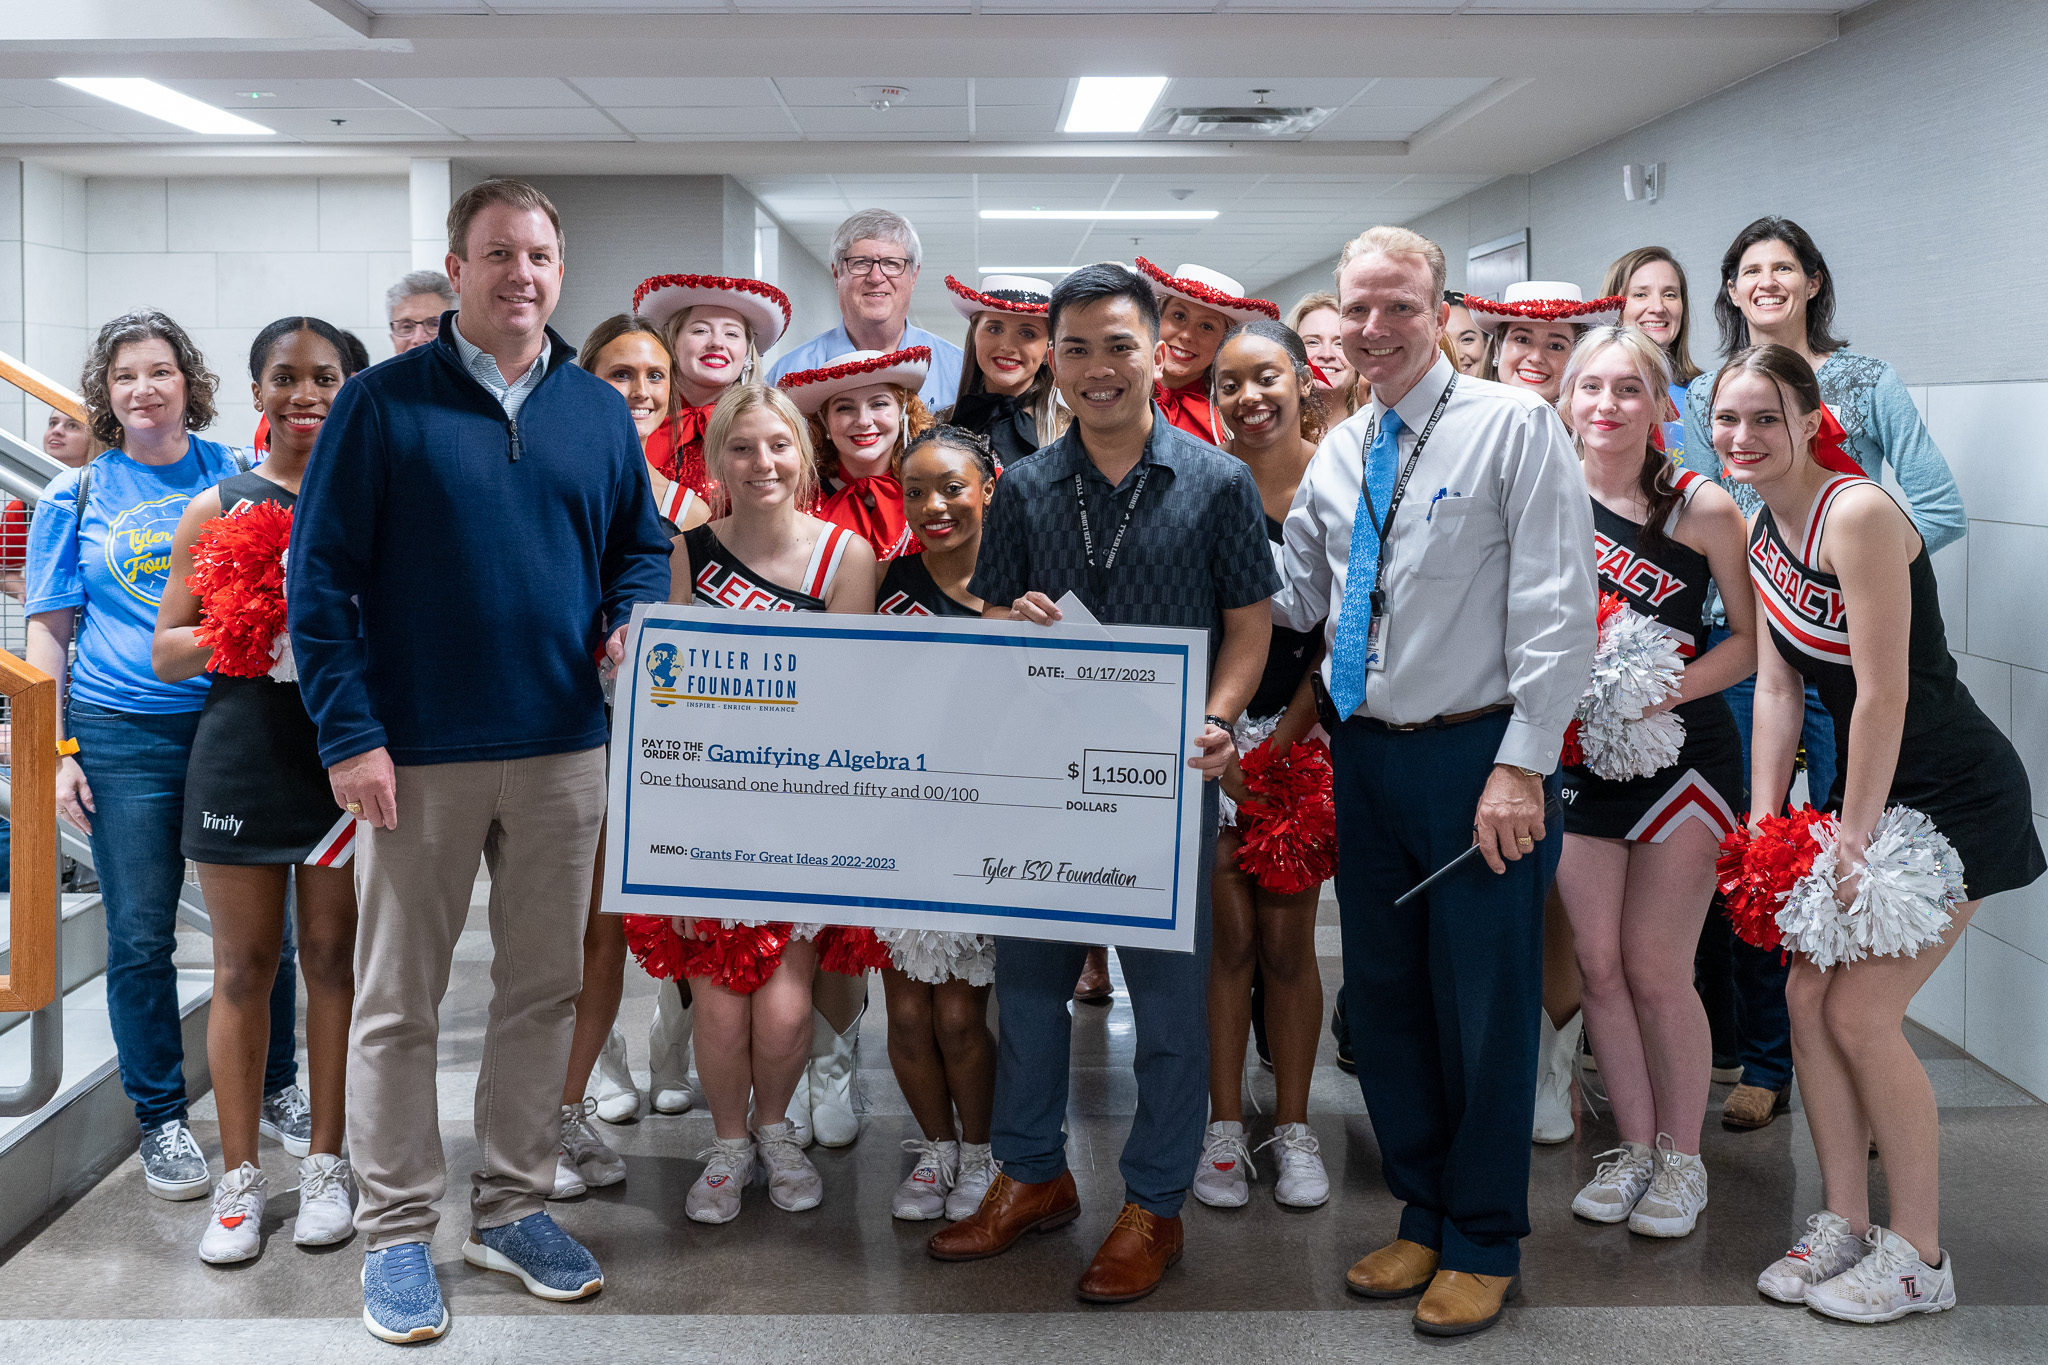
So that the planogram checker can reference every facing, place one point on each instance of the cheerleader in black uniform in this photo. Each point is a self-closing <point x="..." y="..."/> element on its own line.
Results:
<point x="1845" y="584"/>
<point x="1271" y="418"/>
<point x="938" y="987"/>
<point x="1006" y="388"/>
<point x="258" y="808"/>
<point x="1637" y="873"/>
<point x="761" y="554"/>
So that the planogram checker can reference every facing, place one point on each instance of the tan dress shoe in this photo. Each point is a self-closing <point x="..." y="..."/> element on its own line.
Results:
<point x="1753" y="1106"/>
<point x="1008" y="1211"/>
<point x="1133" y="1258"/>
<point x="1459" y="1303"/>
<point x="1396" y="1270"/>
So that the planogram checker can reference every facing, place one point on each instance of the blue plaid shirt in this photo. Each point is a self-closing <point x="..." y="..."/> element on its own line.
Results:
<point x="484" y="366"/>
<point x="1195" y="549"/>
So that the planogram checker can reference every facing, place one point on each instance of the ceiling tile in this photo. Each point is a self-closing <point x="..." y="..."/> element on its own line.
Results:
<point x="282" y="94"/>
<point x="862" y="122"/>
<point x="318" y="124"/>
<point x="1443" y="91"/>
<point x="19" y="121"/>
<point x="536" y="123"/>
<point x="1020" y="90"/>
<point x="770" y="121"/>
<point x="678" y="92"/>
<point x="480" y="92"/>
<point x="1382" y="123"/>
<point x="1016" y="120"/>
<point x="923" y="92"/>
<point x="1234" y="91"/>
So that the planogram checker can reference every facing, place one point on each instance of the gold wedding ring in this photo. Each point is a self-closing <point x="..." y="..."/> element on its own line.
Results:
<point x="355" y="808"/>
<point x="1526" y="842"/>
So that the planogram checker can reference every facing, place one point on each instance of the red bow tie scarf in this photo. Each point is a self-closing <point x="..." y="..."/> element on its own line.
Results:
<point x="872" y="508"/>
<point x="1188" y="408"/>
<point x="676" y="449"/>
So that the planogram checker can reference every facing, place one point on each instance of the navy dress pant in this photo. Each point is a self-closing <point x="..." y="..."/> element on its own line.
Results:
<point x="1170" y="1002"/>
<point x="1442" y="993"/>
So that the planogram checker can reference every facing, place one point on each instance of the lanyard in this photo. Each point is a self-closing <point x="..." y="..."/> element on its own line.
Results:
<point x="1382" y="528"/>
<point x="1088" y="533"/>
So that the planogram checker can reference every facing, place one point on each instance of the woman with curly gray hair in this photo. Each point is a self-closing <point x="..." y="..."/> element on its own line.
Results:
<point x="99" y="559"/>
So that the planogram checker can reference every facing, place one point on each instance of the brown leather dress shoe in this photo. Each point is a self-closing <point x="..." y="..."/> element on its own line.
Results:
<point x="1459" y="1303"/>
<point x="1753" y="1106"/>
<point x="1396" y="1270"/>
<point x="1008" y="1211"/>
<point x="1093" y="987"/>
<point x="1133" y="1258"/>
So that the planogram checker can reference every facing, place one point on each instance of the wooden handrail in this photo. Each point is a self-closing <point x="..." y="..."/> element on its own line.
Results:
<point x="31" y="981"/>
<point x="38" y="385"/>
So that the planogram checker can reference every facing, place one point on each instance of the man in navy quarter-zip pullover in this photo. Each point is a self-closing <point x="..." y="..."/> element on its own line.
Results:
<point x="475" y="525"/>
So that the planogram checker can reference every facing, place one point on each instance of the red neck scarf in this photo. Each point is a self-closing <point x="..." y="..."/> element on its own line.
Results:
<point x="1831" y="446"/>
<point x="1187" y="407"/>
<point x="677" y="448"/>
<point x="872" y="508"/>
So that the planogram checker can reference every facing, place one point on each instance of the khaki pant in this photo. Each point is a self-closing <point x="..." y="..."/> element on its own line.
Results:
<point x="535" y="822"/>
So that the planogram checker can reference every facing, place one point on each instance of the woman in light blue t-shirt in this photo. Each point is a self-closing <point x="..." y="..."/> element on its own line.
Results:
<point x="1654" y="298"/>
<point x="95" y="576"/>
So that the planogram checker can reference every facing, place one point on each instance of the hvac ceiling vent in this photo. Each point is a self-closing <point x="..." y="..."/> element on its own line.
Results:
<point x="1257" y="120"/>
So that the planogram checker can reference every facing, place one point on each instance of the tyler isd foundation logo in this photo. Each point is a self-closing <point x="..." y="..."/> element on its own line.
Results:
<point x="661" y="670"/>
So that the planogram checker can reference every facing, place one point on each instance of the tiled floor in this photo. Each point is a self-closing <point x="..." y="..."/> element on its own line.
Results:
<point x="117" y="1275"/>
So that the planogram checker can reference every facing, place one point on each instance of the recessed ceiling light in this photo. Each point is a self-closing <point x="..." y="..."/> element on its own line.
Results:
<point x="1106" y="215"/>
<point x="1112" y="104"/>
<point x="162" y="102"/>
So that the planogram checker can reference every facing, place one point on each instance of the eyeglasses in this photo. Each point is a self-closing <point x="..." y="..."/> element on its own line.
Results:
<point x="890" y="266"/>
<point x="405" y="328"/>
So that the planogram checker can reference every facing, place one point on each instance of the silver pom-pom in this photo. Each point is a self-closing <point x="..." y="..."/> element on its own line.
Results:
<point x="936" y="956"/>
<point x="1635" y="665"/>
<point x="1911" y="877"/>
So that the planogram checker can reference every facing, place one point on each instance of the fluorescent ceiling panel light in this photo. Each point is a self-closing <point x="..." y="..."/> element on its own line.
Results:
<point x="1112" y="104"/>
<point x="1107" y="215"/>
<point x="162" y="102"/>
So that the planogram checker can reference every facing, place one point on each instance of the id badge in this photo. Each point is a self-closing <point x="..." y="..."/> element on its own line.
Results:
<point x="1376" y="645"/>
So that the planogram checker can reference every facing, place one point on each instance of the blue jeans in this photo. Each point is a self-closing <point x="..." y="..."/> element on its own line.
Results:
<point x="135" y="765"/>
<point x="1169" y="1000"/>
<point x="1756" y="976"/>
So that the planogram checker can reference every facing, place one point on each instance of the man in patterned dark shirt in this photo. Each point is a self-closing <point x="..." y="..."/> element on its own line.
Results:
<point x="1174" y="536"/>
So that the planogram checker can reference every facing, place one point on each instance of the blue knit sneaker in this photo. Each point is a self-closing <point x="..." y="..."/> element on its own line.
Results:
<point x="547" y="1260"/>
<point x="401" y="1297"/>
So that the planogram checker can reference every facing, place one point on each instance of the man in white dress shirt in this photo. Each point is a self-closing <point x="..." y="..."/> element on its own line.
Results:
<point x="1445" y="534"/>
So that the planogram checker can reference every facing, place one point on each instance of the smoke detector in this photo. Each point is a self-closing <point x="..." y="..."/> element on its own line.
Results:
<point x="1246" y="121"/>
<point x="879" y="97"/>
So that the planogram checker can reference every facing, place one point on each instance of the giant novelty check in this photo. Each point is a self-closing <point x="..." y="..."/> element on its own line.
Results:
<point x="910" y="772"/>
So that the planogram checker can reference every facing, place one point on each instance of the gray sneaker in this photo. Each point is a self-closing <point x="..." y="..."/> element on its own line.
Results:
<point x="287" y="1119"/>
<point x="172" y="1164"/>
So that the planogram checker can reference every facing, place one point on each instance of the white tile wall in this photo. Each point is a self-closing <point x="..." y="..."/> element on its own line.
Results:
<point x="124" y="214"/>
<point x="1991" y="996"/>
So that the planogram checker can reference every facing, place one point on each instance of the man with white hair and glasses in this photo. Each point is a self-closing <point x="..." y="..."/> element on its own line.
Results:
<point x="875" y="259"/>
<point x="415" y="304"/>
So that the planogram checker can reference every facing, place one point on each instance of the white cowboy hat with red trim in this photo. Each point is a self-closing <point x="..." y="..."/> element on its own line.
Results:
<point x="812" y="389"/>
<point x="1208" y="288"/>
<point x="1544" y="301"/>
<point x="766" y="308"/>
<point x="1020" y="294"/>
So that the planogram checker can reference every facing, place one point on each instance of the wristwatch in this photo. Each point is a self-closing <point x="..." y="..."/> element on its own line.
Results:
<point x="1527" y="772"/>
<point x="1219" y="723"/>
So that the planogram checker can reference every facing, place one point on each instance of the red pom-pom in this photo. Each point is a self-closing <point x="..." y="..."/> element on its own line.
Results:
<point x="1573" y="755"/>
<point x="656" y="945"/>
<point x="238" y="579"/>
<point x="1755" y="871"/>
<point x="851" y="950"/>
<point x="1290" y="830"/>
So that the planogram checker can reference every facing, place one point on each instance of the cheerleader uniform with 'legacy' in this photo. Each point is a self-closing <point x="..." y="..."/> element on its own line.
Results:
<point x="1954" y="765"/>
<point x="256" y="793"/>
<point x="1704" y="782"/>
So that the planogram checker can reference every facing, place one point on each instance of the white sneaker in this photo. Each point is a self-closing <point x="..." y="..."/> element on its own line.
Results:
<point x="618" y="1099"/>
<point x="234" y="1231"/>
<point x="835" y="1057"/>
<point x="1827" y="1249"/>
<point x="1303" y="1183"/>
<point x="728" y="1169"/>
<point x="582" y="1148"/>
<point x="977" y="1173"/>
<point x="1611" y="1195"/>
<point x="569" y="1182"/>
<point x="922" y="1195"/>
<point x="1889" y="1283"/>
<point x="1554" y="1066"/>
<point x="1223" y="1174"/>
<point x="1677" y="1193"/>
<point x="327" y="1201"/>
<point x="668" y="1053"/>
<point x="793" y="1183"/>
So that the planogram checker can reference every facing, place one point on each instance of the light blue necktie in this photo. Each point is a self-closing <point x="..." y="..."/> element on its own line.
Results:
<point x="1347" y="655"/>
